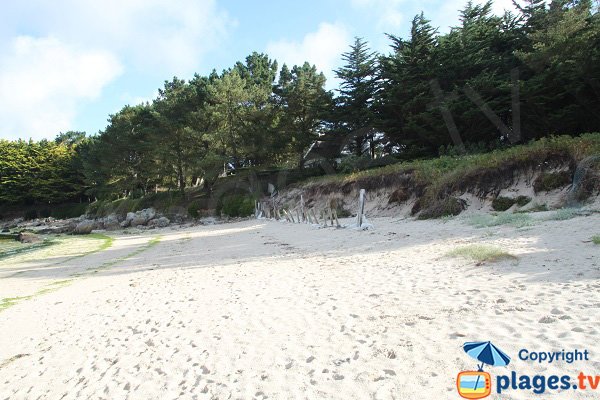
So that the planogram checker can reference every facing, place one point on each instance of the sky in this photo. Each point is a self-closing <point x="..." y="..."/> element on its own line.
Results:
<point x="69" y="64"/>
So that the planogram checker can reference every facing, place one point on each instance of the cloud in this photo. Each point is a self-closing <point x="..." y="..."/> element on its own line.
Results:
<point x="448" y="14"/>
<point x="42" y="81"/>
<point x="321" y="48"/>
<point x="389" y="17"/>
<point x="162" y="36"/>
<point x="73" y="49"/>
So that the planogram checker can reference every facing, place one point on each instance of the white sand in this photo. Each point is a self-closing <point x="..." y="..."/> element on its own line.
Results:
<point x="258" y="310"/>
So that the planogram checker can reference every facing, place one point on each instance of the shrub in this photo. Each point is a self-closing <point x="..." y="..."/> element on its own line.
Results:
<point x="30" y="214"/>
<point x="502" y="203"/>
<point x="596" y="239"/>
<point x="353" y="163"/>
<point x="236" y="205"/>
<point x="193" y="209"/>
<point x="522" y="200"/>
<point x="100" y="208"/>
<point x="548" y="181"/>
<point x="64" y="211"/>
<point x="92" y="208"/>
<point x="444" y="208"/>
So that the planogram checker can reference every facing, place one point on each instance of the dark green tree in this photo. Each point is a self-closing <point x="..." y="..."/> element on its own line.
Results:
<point x="358" y="88"/>
<point x="304" y="104"/>
<point x="178" y="137"/>
<point x="406" y="98"/>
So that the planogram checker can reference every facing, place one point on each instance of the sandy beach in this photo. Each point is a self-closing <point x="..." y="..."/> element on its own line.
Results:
<point x="272" y="310"/>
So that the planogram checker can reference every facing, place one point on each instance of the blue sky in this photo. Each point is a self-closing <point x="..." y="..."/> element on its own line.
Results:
<point x="68" y="64"/>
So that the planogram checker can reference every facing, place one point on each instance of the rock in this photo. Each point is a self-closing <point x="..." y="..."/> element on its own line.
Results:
<point x="209" y="221"/>
<point x="52" y="230"/>
<point x="148" y="214"/>
<point x="176" y="218"/>
<point x="111" y="222"/>
<point x="161" y="222"/>
<point x="130" y="216"/>
<point x="138" y="220"/>
<point x="28" y="237"/>
<point x="143" y="217"/>
<point x="12" y="224"/>
<point x="85" y="227"/>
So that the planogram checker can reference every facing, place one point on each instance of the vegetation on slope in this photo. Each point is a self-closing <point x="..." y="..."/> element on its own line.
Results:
<point x="433" y="181"/>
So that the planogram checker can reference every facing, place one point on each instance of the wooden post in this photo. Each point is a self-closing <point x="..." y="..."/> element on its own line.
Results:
<point x="288" y="216"/>
<point x="337" y="223"/>
<point x="361" y="208"/>
<point x="302" y="208"/>
<point x="292" y="217"/>
<point x="314" y="216"/>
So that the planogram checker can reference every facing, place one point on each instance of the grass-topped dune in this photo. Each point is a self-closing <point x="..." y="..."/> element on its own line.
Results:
<point x="433" y="185"/>
<point x="481" y="253"/>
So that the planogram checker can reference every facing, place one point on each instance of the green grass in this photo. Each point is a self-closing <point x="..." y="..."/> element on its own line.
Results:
<point x="9" y="248"/>
<point x="563" y="214"/>
<point x="535" y="208"/>
<point x="520" y="220"/>
<point x="51" y="287"/>
<point x="108" y="241"/>
<point x="596" y="239"/>
<point x="151" y="243"/>
<point x="58" y="284"/>
<point x="13" y="247"/>
<point x="514" y="220"/>
<point x="481" y="253"/>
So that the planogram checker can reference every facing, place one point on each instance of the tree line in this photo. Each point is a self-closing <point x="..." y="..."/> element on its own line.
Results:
<point x="492" y="81"/>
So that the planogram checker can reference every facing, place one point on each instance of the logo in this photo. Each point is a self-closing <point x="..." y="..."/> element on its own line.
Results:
<point x="478" y="384"/>
<point x="474" y="384"/>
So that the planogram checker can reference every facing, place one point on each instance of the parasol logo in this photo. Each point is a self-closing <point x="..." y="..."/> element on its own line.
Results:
<point x="478" y="384"/>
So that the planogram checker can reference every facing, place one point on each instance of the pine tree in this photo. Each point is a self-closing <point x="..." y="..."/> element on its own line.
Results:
<point x="303" y="102"/>
<point x="405" y="102"/>
<point x="358" y="88"/>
